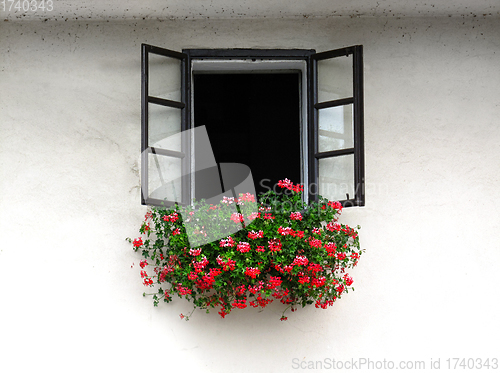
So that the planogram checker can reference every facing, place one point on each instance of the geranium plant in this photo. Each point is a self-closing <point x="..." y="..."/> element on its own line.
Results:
<point x="280" y="249"/>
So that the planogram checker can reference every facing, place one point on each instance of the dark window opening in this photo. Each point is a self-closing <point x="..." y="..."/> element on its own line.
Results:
<point x="252" y="119"/>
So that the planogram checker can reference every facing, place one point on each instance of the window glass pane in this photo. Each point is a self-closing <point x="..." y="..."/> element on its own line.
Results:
<point x="336" y="130"/>
<point x="335" y="78"/>
<point x="336" y="177"/>
<point x="164" y="77"/>
<point x="163" y="122"/>
<point x="164" y="177"/>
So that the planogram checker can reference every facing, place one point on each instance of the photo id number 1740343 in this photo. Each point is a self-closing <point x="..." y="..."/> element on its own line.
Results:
<point x="24" y="6"/>
<point x="472" y="364"/>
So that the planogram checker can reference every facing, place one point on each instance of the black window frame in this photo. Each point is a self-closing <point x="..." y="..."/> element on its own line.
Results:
<point x="357" y="101"/>
<point x="183" y="105"/>
<point x="313" y="106"/>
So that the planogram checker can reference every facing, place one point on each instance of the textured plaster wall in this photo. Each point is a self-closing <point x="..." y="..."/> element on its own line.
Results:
<point x="427" y="286"/>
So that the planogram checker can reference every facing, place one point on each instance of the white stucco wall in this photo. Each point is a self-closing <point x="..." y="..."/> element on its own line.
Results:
<point x="69" y="149"/>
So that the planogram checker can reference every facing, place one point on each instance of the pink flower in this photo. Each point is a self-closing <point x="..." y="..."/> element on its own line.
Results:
<point x="289" y="185"/>
<point x="254" y="235"/>
<point x="304" y="279"/>
<point x="318" y="281"/>
<point x="198" y="266"/>
<point x="341" y="256"/>
<point x="315" y="242"/>
<point x="314" y="268"/>
<point x="227" y="200"/>
<point x="330" y="248"/>
<point x="333" y="226"/>
<point x="229" y="242"/>
<point x="243" y="247"/>
<point x="299" y="234"/>
<point x="240" y="290"/>
<point x="285" y="184"/>
<point x="252" y="272"/>
<point x="183" y="290"/>
<point x="335" y="205"/>
<point x="195" y="252"/>
<point x="247" y="197"/>
<point x="348" y="279"/>
<point x="229" y="265"/>
<point x="355" y="258"/>
<point x="171" y="218"/>
<point x="239" y="303"/>
<point x="296" y="216"/>
<point x="262" y="302"/>
<point x="300" y="260"/>
<point x="253" y="216"/>
<point x="274" y="282"/>
<point x="274" y="245"/>
<point x="256" y="288"/>
<point x="237" y="217"/>
<point x="285" y="231"/>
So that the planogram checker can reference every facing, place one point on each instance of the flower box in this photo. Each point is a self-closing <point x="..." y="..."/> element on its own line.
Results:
<point x="278" y="249"/>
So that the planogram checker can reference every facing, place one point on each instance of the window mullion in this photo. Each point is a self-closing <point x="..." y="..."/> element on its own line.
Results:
<point x="359" y="161"/>
<point x="333" y="103"/>
<point x="185" y="127"/>
<point x="334" y="153"/>
<point x="144" y="122"/>
<point x="165" y="102"/>
<point x="312" y="96"/>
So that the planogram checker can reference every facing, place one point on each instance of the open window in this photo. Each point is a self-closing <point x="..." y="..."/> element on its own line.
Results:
<point x="309" y="105"/>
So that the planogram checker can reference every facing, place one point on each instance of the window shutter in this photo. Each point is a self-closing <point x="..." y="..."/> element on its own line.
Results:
<point x="164" y="117"/>
<point x="336" y="149"/>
